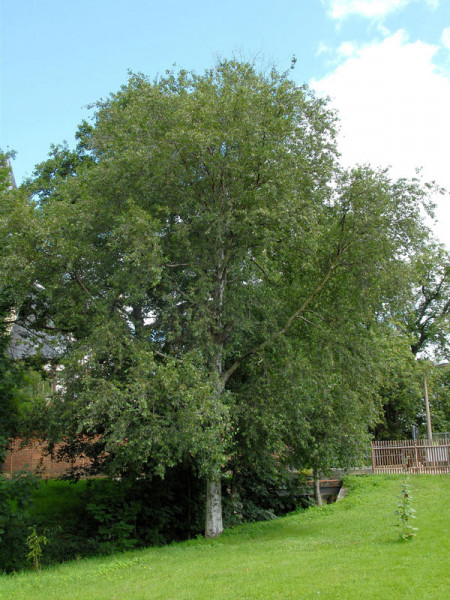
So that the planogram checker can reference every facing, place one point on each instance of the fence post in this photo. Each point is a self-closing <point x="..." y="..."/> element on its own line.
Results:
<point x="416" y="454"/>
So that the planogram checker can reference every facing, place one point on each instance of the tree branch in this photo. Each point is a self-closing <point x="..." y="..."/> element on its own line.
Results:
<point x="119" y="311"/>
<point x="82" y="286"/>
<point x="296" y="315"/>
<point x="167" y="356"/>
<point x="266" y="275"/>
<point x="173" y="265"/>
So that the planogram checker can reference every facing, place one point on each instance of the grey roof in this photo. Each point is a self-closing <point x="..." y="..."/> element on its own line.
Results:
<point x="24" y="343"/>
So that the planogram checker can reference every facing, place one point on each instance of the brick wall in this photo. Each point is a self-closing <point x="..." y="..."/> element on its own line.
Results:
<point x="34" y="458"/>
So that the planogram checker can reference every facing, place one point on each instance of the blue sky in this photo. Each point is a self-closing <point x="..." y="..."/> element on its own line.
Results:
<point x="385" y="63"/>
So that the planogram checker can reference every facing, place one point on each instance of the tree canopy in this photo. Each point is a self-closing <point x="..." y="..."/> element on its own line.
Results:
<point x="222" y="285"/>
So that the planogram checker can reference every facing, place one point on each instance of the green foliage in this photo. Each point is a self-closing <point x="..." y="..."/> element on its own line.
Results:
<point x="97" y="517"/>
<point x="117" y="518"/>
<point x="438" y="383"/>
<point x="34" y="545"/>
<point x="224" y="288"/>
<point x="257" y="495"/>
<point x="18" y="515"/>
<point x="400" y="390"/>
<point x="9" y="376"/>
<point x="428" y="318"/>
<point x="21" y="389"/>
<point x="6" y="180"/>
<point x="422" y="323"/>
<point x="62" y="164"/>
<point x="18" y="382"/>
<point x="16" y="500"/>
<point x="406" y="511"/>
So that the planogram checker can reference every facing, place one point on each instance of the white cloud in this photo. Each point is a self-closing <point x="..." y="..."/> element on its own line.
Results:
<point x="340" y="9"/>
<point x="346" y="49"/>
<point x="322" y="49"/>
<point x="445" y="37"/>
<point x="393" y="104"/>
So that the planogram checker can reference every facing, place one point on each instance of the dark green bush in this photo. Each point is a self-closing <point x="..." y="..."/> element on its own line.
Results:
<point x="94" y="517"/>
<point x="258" y="496"/>
<point x="16" y="499"/>
<point x="97" y="516"/>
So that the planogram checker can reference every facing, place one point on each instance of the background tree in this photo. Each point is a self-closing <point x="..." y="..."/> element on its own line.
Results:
<point x="422" y="324"/>
<point x="428" y="321"/>
<point x="440" y="399"/>
<point x="9" y="374"/>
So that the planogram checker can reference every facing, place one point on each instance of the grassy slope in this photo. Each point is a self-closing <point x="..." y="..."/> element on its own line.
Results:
<point x="343" y="551"/>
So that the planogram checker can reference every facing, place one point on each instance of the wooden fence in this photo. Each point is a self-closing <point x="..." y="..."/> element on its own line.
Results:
<point x="395" y="456"/>
<point x="421" y="456"/>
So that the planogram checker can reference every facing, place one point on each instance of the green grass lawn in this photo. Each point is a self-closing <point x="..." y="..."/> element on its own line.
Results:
<point x="342" y="551"/>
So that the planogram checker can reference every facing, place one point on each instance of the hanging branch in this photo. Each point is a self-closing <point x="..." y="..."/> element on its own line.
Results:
<point x="296" y="315"/>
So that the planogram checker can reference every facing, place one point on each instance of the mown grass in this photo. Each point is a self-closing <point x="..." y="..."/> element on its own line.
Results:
<point x="350" y="550"/>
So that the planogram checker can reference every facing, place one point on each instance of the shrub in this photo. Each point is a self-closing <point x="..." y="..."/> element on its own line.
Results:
<point x="406" y="511"/>
<point x="96" y="517"/>
<point x="34" y="544"/>
<point x="16" y="499"/>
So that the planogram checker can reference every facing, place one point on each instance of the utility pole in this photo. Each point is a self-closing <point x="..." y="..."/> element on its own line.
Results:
<point x="427" y="409"/>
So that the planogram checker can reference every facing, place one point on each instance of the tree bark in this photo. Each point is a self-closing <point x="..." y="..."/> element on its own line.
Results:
<point x="213" y="520"/>
<point x="213" y="517"/>
<point x="317" y="494"/>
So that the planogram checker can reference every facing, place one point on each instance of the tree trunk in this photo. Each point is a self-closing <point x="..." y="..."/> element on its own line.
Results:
<point x="213" y="517"/>
<point x="317" y="494"/>
<point x="213" y="520"/>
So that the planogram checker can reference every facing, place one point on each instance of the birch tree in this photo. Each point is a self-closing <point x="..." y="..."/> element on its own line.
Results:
<point x="206" y="252"/>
